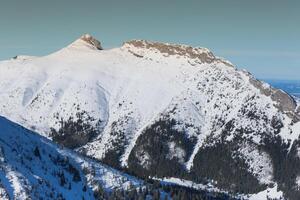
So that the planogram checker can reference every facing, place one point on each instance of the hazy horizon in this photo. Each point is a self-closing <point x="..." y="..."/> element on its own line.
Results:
<point x="259" y="36"/>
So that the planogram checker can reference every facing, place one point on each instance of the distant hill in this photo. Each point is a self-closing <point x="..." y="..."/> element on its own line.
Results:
<point x="290" y="86"/>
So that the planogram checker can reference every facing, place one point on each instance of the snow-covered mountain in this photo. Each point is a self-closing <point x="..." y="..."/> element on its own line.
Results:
<point x="32" y="167"/>
<point x="159" y="110"/>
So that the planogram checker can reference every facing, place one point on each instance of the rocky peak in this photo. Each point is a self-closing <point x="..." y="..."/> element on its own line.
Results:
<point x="202" y="54"/>
<point x="92" y="41"/>
<point x="87" y="40"/>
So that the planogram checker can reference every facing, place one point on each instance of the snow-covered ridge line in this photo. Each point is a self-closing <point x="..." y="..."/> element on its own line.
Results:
<point x="33" y="167"/>
<point x="186" y="183"/>
<point x="117" y="105"/>
<point x="87" y="41"/>
<point x="202" y="54"/>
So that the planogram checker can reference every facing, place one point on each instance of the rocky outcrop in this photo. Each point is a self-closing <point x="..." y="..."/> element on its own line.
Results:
<point x="202" y="54"/>
<point x="92" y="41"/>
<point x="285" y="102"/>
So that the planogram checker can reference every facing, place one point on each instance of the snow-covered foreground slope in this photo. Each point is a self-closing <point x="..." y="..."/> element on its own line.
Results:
<point x="32" y="167"/>
<point x="158" y="110"/>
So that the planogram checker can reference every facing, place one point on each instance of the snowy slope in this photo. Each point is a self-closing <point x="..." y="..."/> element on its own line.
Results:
<point x="133" y="83"/>
<point x="33" y="167"/>
<point x="108" y="104"/>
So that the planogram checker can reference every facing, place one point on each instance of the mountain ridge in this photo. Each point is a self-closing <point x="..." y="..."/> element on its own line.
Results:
<point x="158" y="109"/>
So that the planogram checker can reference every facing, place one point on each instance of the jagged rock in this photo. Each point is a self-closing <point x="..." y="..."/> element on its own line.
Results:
<point x="203" y="54"/>
<point x="92" y="41"/>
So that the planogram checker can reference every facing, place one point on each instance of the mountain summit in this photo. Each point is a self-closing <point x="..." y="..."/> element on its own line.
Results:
<point x="160" y="110"/>
<point x="87" y="40"/>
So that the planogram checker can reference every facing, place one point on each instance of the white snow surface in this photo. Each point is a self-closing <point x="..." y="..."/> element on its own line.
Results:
<point x="129" y="88"/>
<point x="189" y="184"/>
<point x="269" y="193"/>
<point x="298" y="182"/>
<point x="25" y="174"/>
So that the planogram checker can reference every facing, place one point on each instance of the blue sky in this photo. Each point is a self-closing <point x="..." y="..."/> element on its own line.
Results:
<point x="260" y="36"/>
